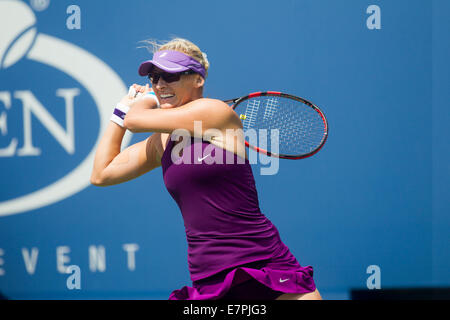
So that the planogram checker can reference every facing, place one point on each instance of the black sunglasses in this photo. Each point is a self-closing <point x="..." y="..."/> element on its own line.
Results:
<point x="167" y="77"/>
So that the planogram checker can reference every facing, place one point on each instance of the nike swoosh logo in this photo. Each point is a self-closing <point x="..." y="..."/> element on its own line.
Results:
<point x="200" y="159"/>
<point x="283" y="280"/>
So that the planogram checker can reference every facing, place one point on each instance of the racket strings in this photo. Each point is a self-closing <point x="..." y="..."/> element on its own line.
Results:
<point x="301" y="128"/>
<point x="251" y="113"/>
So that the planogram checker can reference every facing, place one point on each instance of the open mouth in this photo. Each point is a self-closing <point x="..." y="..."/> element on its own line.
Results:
<point x="166" y="96"/>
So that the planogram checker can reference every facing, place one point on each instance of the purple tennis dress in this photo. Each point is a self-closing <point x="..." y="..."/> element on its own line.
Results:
<point x="234" y="251"/>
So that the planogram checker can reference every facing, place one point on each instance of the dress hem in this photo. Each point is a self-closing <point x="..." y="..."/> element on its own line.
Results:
<point x="285" y="281"/>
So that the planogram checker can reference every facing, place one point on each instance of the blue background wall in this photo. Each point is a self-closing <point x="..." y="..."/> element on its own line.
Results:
<point x="377" y="194"/>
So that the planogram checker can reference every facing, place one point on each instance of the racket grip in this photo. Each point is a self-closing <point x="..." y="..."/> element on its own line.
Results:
<point x="132" y="92"/>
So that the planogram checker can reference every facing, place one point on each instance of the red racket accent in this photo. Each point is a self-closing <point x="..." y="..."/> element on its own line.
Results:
<point x="254" y="94"/>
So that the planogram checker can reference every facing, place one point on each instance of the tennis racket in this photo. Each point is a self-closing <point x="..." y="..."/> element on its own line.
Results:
<point x="302" y="126"/>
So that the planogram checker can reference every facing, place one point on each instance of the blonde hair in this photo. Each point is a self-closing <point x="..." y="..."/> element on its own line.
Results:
<point x="181" y="45"/>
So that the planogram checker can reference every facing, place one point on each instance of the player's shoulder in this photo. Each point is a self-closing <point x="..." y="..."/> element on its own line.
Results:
<point x="209" y="102"/>
<point x="220" y="107"/>
<point x="216" y="106"/>
<point x="219" y="110"/>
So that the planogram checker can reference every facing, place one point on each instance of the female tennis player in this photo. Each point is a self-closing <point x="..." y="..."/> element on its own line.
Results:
<point x="234" y="251"/>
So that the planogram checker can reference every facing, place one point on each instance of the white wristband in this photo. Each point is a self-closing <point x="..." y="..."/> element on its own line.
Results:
<point x="119" y="114"/>
<point x="121" y="109"/>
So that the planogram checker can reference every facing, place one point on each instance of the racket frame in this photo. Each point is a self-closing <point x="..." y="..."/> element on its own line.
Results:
<point x="235" y="102"/>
